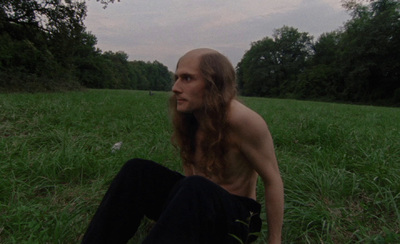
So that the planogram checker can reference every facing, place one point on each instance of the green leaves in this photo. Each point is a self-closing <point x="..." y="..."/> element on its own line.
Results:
<point x="44" y="46"/>
<point x="271" y="66"/>
<point x="358" y="63"/>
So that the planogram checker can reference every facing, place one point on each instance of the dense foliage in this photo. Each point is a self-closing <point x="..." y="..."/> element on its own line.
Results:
<point x="271" y="66"/>
<point x="359" y="63"/>
<point x="44" y="46"/>
<point x="113" y="70"/>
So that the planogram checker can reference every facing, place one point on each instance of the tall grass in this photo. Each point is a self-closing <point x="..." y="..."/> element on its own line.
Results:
<point x="340" y="163"/>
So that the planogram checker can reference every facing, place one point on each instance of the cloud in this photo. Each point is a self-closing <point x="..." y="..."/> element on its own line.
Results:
<point x="164" y="30"/>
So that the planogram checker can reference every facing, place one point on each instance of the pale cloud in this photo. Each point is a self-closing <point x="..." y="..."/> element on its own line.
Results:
<point x="164" y="30"/>
<point x="337" y="4"/>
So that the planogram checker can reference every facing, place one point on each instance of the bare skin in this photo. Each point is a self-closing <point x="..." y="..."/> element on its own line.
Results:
<point x="250" y="155"/>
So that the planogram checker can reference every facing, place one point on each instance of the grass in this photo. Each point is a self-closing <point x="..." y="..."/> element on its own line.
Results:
<point x="340" y="163"/>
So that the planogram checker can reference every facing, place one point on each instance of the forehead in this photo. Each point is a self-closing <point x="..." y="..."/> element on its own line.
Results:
<point x="189" y="63"/>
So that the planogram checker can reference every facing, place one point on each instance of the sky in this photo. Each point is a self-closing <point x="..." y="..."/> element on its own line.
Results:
<point x="164" y="30"/>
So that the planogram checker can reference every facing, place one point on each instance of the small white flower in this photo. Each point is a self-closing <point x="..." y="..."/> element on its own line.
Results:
<point x="116" y="146"/>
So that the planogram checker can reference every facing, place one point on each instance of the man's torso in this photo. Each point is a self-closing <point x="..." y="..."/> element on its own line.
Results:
<point x="238" y="177"/>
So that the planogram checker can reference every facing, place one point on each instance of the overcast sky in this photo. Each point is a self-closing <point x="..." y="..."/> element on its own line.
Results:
<point x="164" y="30"/>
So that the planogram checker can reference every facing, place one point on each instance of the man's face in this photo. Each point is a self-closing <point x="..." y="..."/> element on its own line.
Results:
<point x="189" y="86"/>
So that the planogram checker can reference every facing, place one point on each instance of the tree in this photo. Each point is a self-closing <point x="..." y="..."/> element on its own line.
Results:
<point x="159" y="76"/>
<point x="43" y="44"/>
<point x="150" y="76"/>
<point x="370" y="54"/>
<point x="326" y="48"/>
<point x="321" y="79"/>
<point x="294" y="49"/>
<point x="257" y="71"/>
<point x="41" y="39"/>
<point x="360" y="63"/>
<point x="106" y="2"/>
<point x="271" y="66"/>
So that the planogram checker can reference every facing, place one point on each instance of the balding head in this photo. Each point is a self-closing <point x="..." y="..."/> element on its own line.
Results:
<point x="197" y="53"/>
<point x="216" y="70"/>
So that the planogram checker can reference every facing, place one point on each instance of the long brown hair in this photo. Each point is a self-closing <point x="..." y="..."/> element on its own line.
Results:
<point x="220" y="89"/>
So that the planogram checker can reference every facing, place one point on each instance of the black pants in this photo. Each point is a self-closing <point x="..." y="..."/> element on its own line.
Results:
<point x="187" y="209"/>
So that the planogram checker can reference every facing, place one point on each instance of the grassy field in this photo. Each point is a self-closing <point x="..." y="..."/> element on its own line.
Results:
<point x="340" y="163"/>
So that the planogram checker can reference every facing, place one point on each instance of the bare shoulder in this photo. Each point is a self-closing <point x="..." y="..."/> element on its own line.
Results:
<point x="255" y="142"/>
<point x="251" y="134"/>
<point x="244" y="120"/>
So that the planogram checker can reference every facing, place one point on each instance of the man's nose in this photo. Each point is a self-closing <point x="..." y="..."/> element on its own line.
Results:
<point x="176" y="88"/>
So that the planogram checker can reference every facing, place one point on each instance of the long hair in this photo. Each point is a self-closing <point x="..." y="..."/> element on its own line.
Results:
<point x="220" y="89"/>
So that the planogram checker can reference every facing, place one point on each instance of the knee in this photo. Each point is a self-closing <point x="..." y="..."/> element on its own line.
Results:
<point x="135" y="166"/>
<point x="136" y="163"/>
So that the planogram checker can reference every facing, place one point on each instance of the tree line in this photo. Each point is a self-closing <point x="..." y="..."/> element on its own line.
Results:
<point x="44" y="45"/>
<point x="358" y="63"/>
<point x="114" y="71"/>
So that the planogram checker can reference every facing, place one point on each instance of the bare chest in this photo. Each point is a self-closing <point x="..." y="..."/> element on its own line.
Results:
<point x="238" y="177"/>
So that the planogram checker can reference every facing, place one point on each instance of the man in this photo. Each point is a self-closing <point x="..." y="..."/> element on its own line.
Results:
<point x="224" y="147"/>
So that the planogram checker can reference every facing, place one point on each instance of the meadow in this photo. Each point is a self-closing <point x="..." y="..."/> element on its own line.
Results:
<point x="340" y="163"/>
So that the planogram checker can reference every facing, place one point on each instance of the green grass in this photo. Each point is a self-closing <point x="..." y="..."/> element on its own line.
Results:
<point x="340" y="163"/>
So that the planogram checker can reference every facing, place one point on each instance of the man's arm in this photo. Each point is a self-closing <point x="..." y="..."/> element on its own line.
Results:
<point x="274" y="202"/>
<point x="257" y="146"/>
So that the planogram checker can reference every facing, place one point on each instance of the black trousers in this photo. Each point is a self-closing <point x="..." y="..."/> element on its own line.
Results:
<point x="186" y="209"/>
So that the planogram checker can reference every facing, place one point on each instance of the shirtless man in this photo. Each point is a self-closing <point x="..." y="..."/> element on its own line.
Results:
<point x="224" y="147"/>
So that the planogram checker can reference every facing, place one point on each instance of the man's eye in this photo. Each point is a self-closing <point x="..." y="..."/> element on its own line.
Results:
<point x="187" y="78"/>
